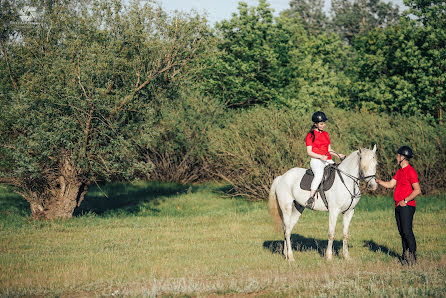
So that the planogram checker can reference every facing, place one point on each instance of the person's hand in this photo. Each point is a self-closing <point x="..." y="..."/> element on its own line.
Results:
<point x="402" y="203"/>
<point x="341" y="155"/>
<point x="378" y="181"/>
<point x="324" y="157"/>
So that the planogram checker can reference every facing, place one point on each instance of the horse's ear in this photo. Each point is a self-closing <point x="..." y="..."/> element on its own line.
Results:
<point x="374" y="148"/>
<point x="359" y="149"/>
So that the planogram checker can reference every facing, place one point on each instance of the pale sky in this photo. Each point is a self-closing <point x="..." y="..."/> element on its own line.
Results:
<point x="218" y="10"/>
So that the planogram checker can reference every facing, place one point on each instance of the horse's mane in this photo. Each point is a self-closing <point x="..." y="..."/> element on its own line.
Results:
<point x="348" y="161"/>
<point x="353" y="158"/>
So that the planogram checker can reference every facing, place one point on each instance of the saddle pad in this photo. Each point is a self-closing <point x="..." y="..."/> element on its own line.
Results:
<point x="327" y="180"/>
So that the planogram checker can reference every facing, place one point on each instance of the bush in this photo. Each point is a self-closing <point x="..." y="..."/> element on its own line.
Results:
<point x="256" y="145"/>
<point x="179" y="148"/>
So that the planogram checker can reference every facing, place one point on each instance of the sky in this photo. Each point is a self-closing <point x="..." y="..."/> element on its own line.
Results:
<point x="218" y="10"/>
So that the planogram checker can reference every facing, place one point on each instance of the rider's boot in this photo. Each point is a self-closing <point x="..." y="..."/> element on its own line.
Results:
<point x="310" y="202"/>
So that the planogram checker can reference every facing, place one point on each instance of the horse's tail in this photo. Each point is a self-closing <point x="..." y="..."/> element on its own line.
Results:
<point x="274" y="208"/>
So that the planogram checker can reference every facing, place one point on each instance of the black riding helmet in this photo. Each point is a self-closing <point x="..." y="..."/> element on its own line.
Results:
<point x="319" y="117"/>
<point x="406" y="151"/>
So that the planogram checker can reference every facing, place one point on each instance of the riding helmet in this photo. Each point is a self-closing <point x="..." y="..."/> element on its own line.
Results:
<point x="319" y="117"/>
<point x="406" y="151"/>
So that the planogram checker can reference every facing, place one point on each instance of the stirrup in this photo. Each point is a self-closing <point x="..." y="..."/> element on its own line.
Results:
<point x="310" y="203"/>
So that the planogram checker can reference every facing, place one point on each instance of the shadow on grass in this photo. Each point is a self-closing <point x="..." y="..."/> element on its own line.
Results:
<point x="227" y="191"/>
<point x="128" y="199"/>
<point x="375" y="247"/>
<point x="301" y="244"/>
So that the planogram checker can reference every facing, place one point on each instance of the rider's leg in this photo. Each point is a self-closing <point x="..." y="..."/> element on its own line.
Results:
<point x="317" y="166"/>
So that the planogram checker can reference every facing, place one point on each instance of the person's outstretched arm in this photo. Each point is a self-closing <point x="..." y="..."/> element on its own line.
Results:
<point x="386" y="184"/>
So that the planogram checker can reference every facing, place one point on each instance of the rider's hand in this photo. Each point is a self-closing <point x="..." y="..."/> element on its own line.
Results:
<point x="324" y="157"/>
<point x="402" y="203"/>
<point x="341" y="155"/>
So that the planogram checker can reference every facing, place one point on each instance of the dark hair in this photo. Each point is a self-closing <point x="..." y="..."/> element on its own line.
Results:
<point x="312" y="131"/>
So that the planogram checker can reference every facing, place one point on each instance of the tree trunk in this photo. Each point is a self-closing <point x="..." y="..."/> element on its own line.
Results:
<point x="62" y="204"/>
<point x="60" y="196"/>
<point x="58" y="203"/>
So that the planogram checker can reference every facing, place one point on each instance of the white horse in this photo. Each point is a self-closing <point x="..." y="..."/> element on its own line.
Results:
<point x="342" y="197"/>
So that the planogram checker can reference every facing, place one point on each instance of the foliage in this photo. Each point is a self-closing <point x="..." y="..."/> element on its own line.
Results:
<point x="94" y="90"/>
<point x="256" y="146"/>
<point x="316" y="69"/>
<point x="356" y="17"/>
<point x="430" y="15"/>
<point x="262" y="61"/>
<point x="243" y="72"/>
<point x="88" y="73"/>
<point x="179" y="151"/>
<point x="400" y="69"/>
<point x="311" y="15"/>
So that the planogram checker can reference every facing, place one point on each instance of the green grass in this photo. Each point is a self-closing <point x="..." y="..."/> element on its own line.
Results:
<point x="166" y="239"/>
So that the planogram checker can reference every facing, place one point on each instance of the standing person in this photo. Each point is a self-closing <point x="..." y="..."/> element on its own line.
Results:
<point x="407" y="188"/>
<point x="318" y="148"/>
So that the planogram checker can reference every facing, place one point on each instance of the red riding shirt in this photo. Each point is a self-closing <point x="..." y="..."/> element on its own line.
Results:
<point x="320" y="143"/>
<point x="404" y="177"/>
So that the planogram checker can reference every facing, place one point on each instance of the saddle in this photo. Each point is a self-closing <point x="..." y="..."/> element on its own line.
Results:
<point x="326" y="183"/>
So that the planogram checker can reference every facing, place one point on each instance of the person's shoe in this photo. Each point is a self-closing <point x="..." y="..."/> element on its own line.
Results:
<point x="403" y="260"/>
<point x="411" y="259"/>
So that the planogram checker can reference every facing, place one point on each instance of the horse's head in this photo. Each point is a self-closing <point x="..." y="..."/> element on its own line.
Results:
<point x="367" y="166"/>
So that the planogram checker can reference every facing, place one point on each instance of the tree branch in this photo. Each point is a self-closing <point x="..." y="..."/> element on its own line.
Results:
<point x="11" y="76"/>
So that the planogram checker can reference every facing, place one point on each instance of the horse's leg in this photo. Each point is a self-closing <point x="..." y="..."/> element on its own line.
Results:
<point x="346" y="220"/>
<point x="287" y="213"/>
<point x="295" y="215"/>
<point x="333" y="216"/>
<point x="285" y="249"/>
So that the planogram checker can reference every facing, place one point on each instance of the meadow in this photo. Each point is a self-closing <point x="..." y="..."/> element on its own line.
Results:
<point x="150" y="239"/>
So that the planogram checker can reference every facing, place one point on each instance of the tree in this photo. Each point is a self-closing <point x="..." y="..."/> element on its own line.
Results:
<point x="265" y="61"/>
<point x="353" y="17"/>
<point x="9" y="17"/>
<point x="243" y="71"/>
<point x="431" y="17"/>
<point x="317" y="68"/>
<point x="401" y="68"/>
<point x="311" y="15"/>
<point x="89" y="73"/>
<point x="312" y="66"/>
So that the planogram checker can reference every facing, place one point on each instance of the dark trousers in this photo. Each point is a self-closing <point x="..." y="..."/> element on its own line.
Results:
<point x="404" y="219"/>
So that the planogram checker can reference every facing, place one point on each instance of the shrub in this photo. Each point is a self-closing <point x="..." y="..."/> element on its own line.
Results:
<point x="256" y="145"/>
<point x="179" y="149"/>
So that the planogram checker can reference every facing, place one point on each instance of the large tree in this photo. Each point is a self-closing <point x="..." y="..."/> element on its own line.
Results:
<point x="311" y="14"/>
<point x="401" y="68"/>
<point x="82" y="79"/>
<point x="430" y="16"/>
<point x="243" y="71"/>
<point x="261" y="60"/>
<point x="353" y="17"/>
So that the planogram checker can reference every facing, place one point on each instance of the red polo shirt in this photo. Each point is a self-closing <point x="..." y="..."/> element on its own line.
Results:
<point x="404" y="177"/>
<point x="320" y="143"/>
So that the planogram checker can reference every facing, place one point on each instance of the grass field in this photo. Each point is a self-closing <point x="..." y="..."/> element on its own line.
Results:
<point x="164" y="239"/>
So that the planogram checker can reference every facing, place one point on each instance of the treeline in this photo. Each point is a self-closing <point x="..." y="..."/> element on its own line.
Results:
<point x="95" y="91"/>
<point x="365" y="56"/>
